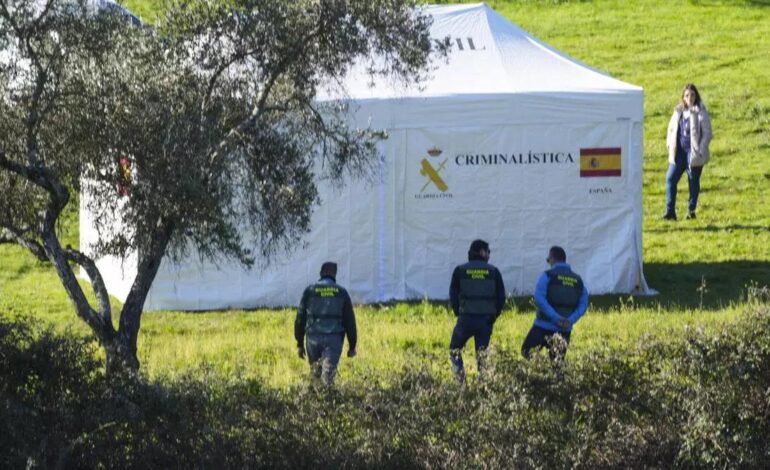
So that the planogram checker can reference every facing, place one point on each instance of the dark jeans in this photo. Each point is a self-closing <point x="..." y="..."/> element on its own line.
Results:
<point x="542" y="338"/>
<point x="323" y="353"/>
<point x="673" y="176"/>
<point x="478" y="327"/>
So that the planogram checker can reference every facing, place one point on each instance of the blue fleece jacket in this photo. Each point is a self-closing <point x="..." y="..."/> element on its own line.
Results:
<point x="551" y="324"/>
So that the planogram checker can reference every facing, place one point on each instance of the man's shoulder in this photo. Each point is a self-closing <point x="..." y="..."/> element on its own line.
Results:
<point x="562" y="269"/>
<point x="327" y="285"/>
<point x="343" y="290"/>
<point x="573" y="272"/>
<point x="475" y="264"/>
<point x="493" y="269"/>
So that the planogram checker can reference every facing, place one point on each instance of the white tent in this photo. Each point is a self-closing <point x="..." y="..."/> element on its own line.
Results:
<point x="510" y="141"/>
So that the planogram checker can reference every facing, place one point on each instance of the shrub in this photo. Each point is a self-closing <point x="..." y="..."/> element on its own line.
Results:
<point x="697" y="400"/>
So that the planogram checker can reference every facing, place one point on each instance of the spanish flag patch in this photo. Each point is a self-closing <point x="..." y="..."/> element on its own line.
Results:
<point x="600" y="162"/>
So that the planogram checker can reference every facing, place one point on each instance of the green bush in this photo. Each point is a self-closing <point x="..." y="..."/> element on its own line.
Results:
<point x="47" y="383"/>
<point x="697" y="400"/>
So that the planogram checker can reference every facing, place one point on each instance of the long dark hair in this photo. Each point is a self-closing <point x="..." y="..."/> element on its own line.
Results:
<point x="693" y="89"/>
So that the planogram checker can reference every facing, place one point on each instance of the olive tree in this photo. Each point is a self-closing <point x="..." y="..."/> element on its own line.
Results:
<point x="203" y="134"/>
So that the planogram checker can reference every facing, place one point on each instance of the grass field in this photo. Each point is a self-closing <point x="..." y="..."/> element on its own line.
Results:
<point x="702" y="267"/>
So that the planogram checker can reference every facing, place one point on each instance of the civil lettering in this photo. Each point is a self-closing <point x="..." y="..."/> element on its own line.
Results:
<point x="567" y="280"/>
<point x="326" y="291"/>
<point x="477" y="273"/>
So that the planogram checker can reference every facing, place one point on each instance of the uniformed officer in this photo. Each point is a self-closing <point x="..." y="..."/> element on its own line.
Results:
<point x="561" y="299"/>
<point x="477" y="295"/>
<point x="326" y="314"/>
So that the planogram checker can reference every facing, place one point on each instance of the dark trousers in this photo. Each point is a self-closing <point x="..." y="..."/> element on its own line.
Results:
<point x="673" y="176"/>
<point x="478" y="327"/>
<point x="323" y="353"/>
<point x="538" y="338"/>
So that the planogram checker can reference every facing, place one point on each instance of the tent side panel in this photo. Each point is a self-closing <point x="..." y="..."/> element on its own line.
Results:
<point x="348" y="227"/>
<point x="637" y="154"/>
<point x="118" y="273"/>
<point x="524" y="189"/>
<point x="436" y="189"/>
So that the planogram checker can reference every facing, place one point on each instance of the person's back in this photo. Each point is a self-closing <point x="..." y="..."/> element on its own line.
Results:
<point x="561" y="299"/>
<point x="565" y="288"/>
<point x="325" y="315"/>
<point x="477" y="295"/>
<point x="325" y="301"/>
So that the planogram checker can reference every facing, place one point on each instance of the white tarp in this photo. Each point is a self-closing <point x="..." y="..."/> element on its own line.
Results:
<point x="502" y="128"/>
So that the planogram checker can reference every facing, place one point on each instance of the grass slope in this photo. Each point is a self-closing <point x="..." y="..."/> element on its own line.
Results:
<point x="701" y="267"/>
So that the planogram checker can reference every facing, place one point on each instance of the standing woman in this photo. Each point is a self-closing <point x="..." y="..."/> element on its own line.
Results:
<point x="689" y="134"/>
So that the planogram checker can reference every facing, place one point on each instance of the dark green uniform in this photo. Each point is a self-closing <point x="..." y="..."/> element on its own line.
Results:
<point x="477" y="295"/>
<point x="478" y="292"/>
<point x="326" y="315"/>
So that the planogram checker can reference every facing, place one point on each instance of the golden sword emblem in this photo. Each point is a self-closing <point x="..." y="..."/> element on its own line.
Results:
<point x="433" y="175"/>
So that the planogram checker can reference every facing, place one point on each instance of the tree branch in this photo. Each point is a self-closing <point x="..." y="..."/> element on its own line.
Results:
<point x="11" y="235"/>
<point x="44" y="13"/>
<point x="243" y="125"/>
<point x="33" y="118"/>
<point x="218" y="73"/>
<point x="43" y="177"/>
<point x="5" y="13"/>
<point x="262" y="99"/>
<point x="97" y="282"/>
<point x="38" y="175"/>
<point x="102" y="328"/>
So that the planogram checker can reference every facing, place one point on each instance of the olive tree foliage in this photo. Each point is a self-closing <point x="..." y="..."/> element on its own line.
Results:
<point x="200" y="135"/>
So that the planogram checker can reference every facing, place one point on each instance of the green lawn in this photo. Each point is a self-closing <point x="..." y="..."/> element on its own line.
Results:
<point x="701" y="267"/>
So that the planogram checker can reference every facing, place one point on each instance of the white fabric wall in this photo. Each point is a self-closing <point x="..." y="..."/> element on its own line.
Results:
<point x="393" y="242"/>
<point x="118" y="273"/>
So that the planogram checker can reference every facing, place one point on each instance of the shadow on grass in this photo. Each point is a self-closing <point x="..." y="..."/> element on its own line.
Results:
<point x="708" y="228"/>
<point x="748" y="3"/>
<point x="708" y="286"/>
<point x="681" y="286"/>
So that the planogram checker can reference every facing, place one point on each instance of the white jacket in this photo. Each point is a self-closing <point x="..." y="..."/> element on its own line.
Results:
<point x="700" y="135"/>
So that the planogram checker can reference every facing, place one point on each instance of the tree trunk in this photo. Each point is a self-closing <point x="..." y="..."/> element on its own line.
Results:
<point x="121" y="358"/>
<point x="122" y="352"/>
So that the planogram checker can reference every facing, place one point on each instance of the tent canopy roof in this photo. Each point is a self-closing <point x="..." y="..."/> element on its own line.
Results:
<point x="489" y="56"/>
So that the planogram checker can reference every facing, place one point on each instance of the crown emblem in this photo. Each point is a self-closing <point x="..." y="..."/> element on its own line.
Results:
<point x="434" y="151"/>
